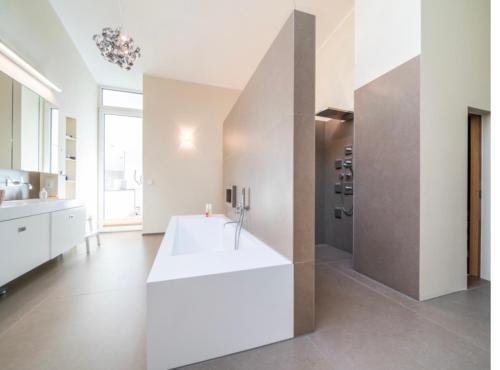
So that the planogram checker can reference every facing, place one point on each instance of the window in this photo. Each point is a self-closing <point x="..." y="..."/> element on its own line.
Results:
<point x="120" y="157"/>
<point x="121" y="99"/>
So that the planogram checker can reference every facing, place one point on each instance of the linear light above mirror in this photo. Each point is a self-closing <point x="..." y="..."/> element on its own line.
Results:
<point x="26" y="67"/>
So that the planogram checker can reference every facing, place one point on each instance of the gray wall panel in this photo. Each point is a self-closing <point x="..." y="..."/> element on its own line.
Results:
<point x="387" y="173"/>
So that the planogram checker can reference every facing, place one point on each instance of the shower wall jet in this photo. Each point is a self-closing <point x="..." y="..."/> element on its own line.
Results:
<point x="335" y="178"/>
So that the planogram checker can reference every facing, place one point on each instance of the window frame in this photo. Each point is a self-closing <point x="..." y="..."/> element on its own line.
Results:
<point x="120" y="111"/>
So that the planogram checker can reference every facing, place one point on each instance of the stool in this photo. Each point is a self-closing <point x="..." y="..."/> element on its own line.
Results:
<point x="91" y="232"/>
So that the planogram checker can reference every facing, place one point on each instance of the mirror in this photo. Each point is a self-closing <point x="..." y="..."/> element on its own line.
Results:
<point x="5" y="121"/>
<point x="29" y="129"/>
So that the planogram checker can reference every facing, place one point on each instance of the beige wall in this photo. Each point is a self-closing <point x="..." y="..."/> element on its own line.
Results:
<point x="269" y="147"/>
<point x="183" y="179"/>
<point x="455" y="75"/>
<point x="34" y="31"/>
<point x="387" y="35"/>
<point x="335" y="68"/>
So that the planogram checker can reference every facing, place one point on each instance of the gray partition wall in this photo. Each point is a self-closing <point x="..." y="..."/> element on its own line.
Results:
<point x="387" y="173"/>
<point x="269" y="140"/>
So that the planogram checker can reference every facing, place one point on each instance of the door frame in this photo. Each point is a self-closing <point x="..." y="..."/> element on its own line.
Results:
<point x="103" y="110"/>
<point x="474" y="186"/>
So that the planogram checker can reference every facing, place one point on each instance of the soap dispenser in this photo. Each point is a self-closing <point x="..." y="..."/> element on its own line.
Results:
<point x="43" y="194"/>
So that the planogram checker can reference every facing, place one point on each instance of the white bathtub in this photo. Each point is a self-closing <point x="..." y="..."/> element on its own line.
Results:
<point x="206" y="299"/>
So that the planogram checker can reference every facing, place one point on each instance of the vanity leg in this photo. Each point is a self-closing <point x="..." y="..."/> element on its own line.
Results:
<point x="87" y="244"/>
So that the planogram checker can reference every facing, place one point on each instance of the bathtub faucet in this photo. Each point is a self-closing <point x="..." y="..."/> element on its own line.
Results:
<point x="241" y="209"/>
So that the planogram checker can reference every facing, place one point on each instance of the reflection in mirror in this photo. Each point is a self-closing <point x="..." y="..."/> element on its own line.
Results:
<point x="5" y="121"/>
<point x="49" y="137"/>
<point x="54" y="140"/>
<point x="29" y="129"/>
<point x="26" y="128"/>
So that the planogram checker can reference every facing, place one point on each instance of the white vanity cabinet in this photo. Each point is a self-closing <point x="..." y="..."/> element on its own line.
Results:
<point x="34" y="231"/>
<point x="24" y="244"/>
<point x="67" y="230"/>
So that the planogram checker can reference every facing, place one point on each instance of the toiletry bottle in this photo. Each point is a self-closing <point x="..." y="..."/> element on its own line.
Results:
<point x="43" y="194"/>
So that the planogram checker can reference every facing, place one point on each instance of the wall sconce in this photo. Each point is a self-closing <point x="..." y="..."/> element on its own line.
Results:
<point x="186" y="138"/>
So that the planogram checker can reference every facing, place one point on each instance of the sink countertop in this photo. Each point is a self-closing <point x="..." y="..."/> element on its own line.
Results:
<point x="12" y="209"/>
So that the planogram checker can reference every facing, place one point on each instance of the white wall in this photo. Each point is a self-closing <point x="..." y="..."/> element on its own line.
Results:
<point x="486" y="199"/>
<point x="455" y="65"/>
<point x="335" y="68"/>
<point x="183" y="179"/>
<point x="34" y="31"/>
<point x="387" y="35"/>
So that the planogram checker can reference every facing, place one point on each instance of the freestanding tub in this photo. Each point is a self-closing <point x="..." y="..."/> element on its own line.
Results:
<point x="206" y="299"/>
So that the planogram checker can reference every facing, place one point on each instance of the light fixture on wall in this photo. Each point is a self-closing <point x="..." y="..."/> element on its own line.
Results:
<point x="186" y="138"/>
<point x="117" y="47"/>
<point x="26" y="67"/>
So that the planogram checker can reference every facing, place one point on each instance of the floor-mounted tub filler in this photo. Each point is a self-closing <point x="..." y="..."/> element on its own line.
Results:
<point x="206" y="299"/>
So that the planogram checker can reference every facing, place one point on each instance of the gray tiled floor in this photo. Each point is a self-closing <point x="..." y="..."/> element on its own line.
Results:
<point x="88" y="312"/>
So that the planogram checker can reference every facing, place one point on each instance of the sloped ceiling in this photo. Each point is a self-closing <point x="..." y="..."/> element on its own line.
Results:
<point x="215" y="42"/>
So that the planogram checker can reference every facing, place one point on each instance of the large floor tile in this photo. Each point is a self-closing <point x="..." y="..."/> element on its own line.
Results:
<point x="88" y="311"/>
<point x="124" y="263"/>
<point x="91" y="331"/>
<point x="466" y="313"/>
<point x="82" y="311"/>
<point x="295" y="354"/>
<point x="361" y="329"/>
<point x="327" y="253"/>
<point x="26" y="293"/>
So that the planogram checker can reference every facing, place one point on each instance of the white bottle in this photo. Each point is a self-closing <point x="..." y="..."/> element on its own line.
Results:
<point x="43" y="194"/>
<point x="208" y="210"/>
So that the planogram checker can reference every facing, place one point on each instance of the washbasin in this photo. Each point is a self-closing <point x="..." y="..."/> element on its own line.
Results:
<point x="24" y="202"/>
<point x="12" y="209"/>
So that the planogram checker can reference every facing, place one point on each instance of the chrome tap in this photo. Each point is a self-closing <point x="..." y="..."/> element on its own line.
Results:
<point x="241" y="210"/>
<point x="9" y="180"/>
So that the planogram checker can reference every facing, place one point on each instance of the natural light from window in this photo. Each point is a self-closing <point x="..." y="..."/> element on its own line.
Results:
<point x="121" y="99"/>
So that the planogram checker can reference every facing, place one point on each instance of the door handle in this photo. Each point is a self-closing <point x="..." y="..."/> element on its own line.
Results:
<point x="71" y="217"/>
<point x="21" y="229"/>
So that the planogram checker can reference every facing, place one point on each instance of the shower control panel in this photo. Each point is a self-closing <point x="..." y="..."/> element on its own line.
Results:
<point x="339" y="163"/>
<point x="344" y="187"/>
<point x="348" y="188"/>
<point x="338" y="187"/>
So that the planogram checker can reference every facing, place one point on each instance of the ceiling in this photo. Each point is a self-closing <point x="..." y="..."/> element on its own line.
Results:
<point x="214" y="42"/>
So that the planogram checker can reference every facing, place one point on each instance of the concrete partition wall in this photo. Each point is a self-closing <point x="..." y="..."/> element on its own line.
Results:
<point x="269" y="138"/>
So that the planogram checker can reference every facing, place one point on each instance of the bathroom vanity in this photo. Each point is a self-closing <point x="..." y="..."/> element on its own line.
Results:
<point x="34" y="231"/>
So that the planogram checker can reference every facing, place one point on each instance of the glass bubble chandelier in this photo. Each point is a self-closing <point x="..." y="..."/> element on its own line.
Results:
<point x="116" y="47"/>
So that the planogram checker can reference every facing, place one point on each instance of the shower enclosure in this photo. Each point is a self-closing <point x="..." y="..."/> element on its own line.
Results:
<point x="335" y="177"/>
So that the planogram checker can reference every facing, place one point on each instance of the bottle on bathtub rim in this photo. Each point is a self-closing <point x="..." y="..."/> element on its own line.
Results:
<point x="208" y="210"/>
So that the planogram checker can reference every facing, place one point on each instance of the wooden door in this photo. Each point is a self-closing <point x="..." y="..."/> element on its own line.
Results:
<point x="474" y="227"/>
